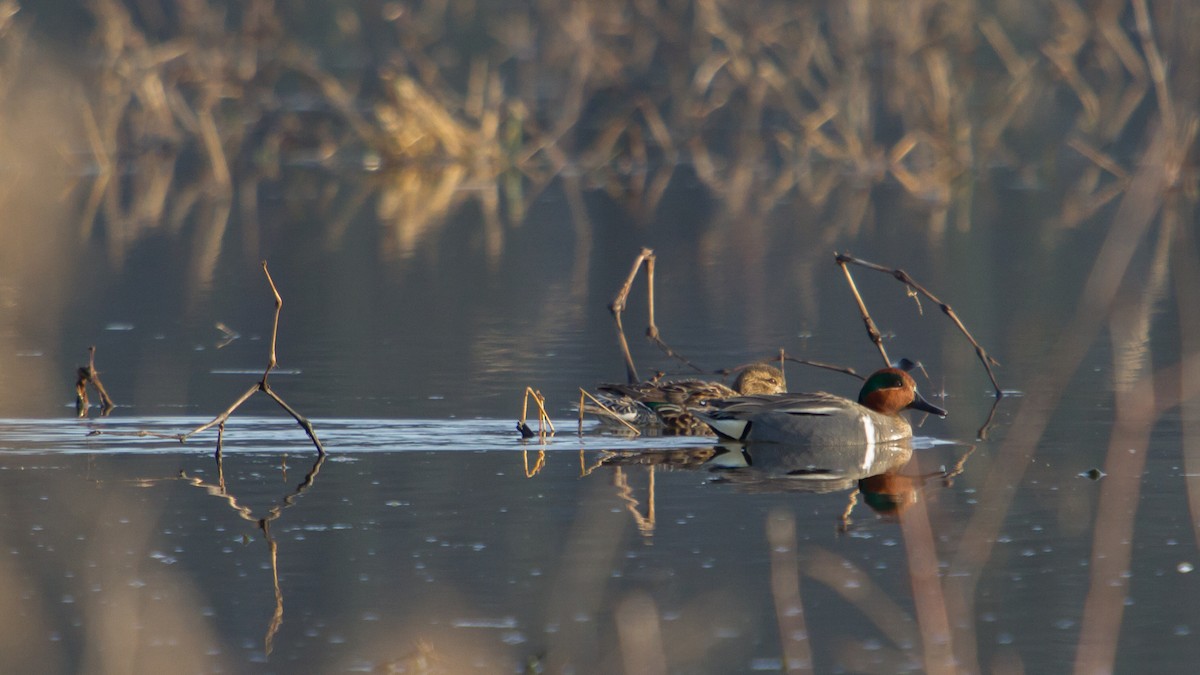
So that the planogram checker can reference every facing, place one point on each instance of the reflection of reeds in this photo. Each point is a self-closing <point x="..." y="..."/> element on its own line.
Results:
<point x="763" y="101"/>
<point x="220" y="491"/>
<point x="1138" y="407"/>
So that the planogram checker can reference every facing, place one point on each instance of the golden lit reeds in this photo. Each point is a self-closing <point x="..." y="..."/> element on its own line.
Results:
<point x="764" y="101"/>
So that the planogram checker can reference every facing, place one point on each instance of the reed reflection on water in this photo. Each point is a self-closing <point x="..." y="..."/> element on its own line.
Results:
<point x="449" y="194"/>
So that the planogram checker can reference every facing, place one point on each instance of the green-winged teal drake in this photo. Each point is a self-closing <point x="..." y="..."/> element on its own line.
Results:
<point x="820" y="418"/>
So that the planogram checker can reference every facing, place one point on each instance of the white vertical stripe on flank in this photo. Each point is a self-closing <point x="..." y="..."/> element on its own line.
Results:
<point x="869" y="428"/>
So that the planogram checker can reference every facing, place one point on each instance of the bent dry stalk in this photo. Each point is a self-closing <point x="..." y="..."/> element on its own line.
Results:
<point x="88" y="375"/>
<point x="543" y="416"/>
<point x="914" y="289"/>
<point x="617" y="306"/>
<point x="262" y="385"/>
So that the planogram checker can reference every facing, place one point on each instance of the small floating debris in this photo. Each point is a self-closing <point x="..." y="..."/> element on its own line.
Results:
<point x="117" y="325"/>
<point x="1093" y="474"/>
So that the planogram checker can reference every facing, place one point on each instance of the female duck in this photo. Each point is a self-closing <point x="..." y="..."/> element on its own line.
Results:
<point x="666" y="404"/>
<point x="820" y="418"/>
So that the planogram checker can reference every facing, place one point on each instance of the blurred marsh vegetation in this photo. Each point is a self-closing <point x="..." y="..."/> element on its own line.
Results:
<point x="190" y="108"/>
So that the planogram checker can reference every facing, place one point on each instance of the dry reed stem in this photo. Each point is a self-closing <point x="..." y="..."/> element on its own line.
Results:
<point x="88" y="375"/>
<point x="1100" y="159"/>
<point x="872" y="331"/>
<point x="903" y="277"/>
<point x="605" y="410"/>
<point x="825" y="366"/>
<point x="1155" y="65"/>
<point x="261" y="385"/>
<point x="617" y="307"/>
<point x="543" y="417"/>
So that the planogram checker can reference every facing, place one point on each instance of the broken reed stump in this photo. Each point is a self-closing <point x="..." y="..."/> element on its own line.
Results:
<point x="915" y="290"/>
<point x="543" y="416"/>
<point x="262" y="385"/>
<point x="88" y="375"/>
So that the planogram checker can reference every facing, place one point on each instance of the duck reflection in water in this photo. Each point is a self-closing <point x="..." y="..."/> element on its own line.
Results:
<point x="780" y="467"/>
<point x="873" y="471"/>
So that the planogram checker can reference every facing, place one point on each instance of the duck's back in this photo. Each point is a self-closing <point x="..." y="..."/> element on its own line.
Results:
<point x="811" y="419"/>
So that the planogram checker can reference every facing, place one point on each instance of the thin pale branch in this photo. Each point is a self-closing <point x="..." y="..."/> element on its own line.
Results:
<point x="262" y="385"/>
<point x="300" y="419"/>
<point x="603" y="409"/>
<point x="872" y="331"/>
<point x="903" y="277"/>
<point x="617" y="307"/>
<point x="827" y="366"/>
<point x="271" y="360"/>
<point x="543" y="416"/>
<point x="223" y="417"/>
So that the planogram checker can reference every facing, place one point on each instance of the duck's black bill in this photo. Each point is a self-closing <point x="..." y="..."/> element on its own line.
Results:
<point x="921" y="404"/>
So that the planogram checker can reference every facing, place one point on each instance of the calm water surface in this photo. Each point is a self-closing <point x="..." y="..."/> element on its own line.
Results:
<point x="453" y="542"/>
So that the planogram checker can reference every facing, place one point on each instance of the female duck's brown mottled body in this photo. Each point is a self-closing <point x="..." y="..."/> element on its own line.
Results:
<point x="665" y="403"/>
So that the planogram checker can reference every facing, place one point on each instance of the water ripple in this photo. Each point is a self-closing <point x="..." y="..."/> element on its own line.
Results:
<point x="275" y="434"/>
